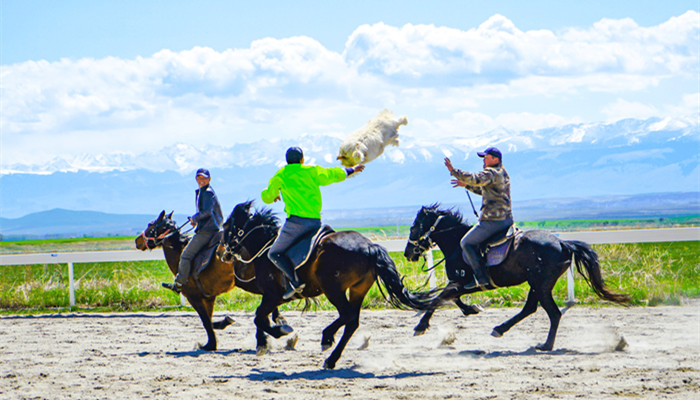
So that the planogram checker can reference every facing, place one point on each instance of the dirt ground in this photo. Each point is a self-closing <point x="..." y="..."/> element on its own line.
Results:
<point x="151" y="355"/>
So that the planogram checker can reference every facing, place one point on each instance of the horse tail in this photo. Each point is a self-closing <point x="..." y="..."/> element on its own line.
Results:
<point x="587" y="264"/>
<point x="397" y="294"/>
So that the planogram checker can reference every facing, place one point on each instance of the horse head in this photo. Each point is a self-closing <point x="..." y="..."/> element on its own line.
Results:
<point x="156" y="231"/>
<point x="233" y="230"/>
<point x="428" y="221"/>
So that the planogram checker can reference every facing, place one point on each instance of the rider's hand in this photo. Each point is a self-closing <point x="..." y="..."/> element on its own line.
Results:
<point x="194" y="224"/>
<point x="359" y="168"/>
<point x="448" y="164"/>
<point x="457" y="183"/>
<point x="278" y="198"/>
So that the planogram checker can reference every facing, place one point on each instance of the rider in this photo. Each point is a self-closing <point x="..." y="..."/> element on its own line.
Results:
<point x="207" y="223"/>
<point x="493" y="185"/>
<point x="298" y="186"/>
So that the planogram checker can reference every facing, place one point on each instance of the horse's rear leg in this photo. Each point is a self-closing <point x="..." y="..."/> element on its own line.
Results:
<point x="529" y="308"/>
<point x="262" y="325"/>
<point x="351" y="320"/>
<point x="424" y="323"/>
<point x="468" y="309"/>
<point x="554" y="316"/>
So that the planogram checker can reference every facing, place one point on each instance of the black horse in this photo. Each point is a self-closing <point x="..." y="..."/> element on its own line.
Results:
<point x="538" y="258"/>
<point x="343" y="266"/>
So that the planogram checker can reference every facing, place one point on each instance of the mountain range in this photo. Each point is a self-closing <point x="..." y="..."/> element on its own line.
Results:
<point x="598" y="162"/>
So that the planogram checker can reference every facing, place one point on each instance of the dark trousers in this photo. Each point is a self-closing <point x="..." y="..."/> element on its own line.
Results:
<point x="477" y="235"/>
<point x="294" y="228"/>
<point x="197" y="243"/>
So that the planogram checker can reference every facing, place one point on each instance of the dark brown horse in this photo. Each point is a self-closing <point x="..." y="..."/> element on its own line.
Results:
<point x="539" y="259"/>
<point x="218" y="277"/>
<point x="344" y="266"/>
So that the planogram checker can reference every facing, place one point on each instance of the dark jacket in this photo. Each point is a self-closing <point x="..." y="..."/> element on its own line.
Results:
<point x="493" y="185"/>
<point x="209" y="216"/>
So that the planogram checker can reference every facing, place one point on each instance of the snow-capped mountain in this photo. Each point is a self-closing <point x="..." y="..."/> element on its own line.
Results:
<point x="584" y="160"/>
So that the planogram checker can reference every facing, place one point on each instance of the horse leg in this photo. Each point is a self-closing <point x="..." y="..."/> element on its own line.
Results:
<point x="424" y="323"/>
<point x="554" y="316"/>
<point x="529" y="308"/>
<point x="219" y="325"/>
<point x="470" y="309"/>
<point x="328" y="335"/>
<point x="204" y="308"/>
<point x="352" y="321"/>
<point x="280" y="321"/>
<point x="262" y="323"/>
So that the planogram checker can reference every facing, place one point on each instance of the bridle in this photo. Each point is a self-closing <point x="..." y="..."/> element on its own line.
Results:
<point x="233" y="249"/>
<point x="158" y="240"/>
<point x="425" y="242"/>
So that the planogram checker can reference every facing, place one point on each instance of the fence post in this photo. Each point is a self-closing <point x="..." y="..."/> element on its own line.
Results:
<point x="431" y="275"/>
<point x="71" y="284"/>
<point x="570" y="284"/>
<point x="183" y="300"/>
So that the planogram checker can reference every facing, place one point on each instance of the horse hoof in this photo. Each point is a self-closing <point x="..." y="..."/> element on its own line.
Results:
<point x="261" y="351"/>
<point x="286" y="329"/>
<point x="477" y="308"/>
<point x="543" y="347"/>
<point x="328" y="365"/>
<point x="496" y="333"/>
<point x="229" y="320"/>
<point x="325" y="347"/>
<point x="417" y="332"/>
<point x="292" y="342"/>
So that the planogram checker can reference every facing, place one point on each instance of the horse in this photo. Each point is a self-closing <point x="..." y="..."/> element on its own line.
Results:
<point x="217" y="278"/>
<point x="343" y="266"/>
<point x="538" y="258"/>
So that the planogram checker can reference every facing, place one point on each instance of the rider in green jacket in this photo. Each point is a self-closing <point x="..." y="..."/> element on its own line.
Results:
<point x="298" y="185"/>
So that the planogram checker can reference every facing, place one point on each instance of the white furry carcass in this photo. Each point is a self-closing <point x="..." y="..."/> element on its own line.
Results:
<point x="368" y="142"/>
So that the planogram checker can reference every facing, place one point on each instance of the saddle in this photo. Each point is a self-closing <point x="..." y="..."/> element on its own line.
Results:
<point x="203" y="258"/>
<point x="302" y="249"/>
<point x="496" y="248"/>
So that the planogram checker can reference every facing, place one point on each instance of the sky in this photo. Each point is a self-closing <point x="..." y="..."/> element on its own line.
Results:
<point x="84" y="80"/>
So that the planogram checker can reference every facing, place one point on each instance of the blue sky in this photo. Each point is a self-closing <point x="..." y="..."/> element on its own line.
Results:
<point x="83" y="82"/>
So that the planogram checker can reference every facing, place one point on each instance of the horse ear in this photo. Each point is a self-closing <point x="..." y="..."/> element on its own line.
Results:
<point x="160" y="217"/>
<point x="170" y="216"/>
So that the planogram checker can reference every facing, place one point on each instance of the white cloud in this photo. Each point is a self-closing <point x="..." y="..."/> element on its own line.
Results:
<point x="449" y="82"/>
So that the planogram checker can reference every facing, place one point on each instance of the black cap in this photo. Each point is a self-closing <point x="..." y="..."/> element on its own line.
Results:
<point x="294" y="155"/>
<point x="204" y="172"/>
<point x="492" y="151"/>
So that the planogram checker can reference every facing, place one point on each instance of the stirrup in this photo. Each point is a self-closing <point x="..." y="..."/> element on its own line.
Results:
<point x="293" y="291"/>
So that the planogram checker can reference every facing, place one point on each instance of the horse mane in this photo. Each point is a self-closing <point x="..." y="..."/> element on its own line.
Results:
<point x="451" y="213"/>
<point x="265" y="216"/>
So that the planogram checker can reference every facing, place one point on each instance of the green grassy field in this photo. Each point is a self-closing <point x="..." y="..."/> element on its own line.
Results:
<point x="653" y="273"/>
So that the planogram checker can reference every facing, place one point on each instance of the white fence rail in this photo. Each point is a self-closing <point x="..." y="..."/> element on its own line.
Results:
<point x="593" y="237"/>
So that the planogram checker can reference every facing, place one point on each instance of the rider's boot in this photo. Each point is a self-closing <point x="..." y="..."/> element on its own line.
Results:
<point x="294" y="286"/>
<point x="175" y="287"/>
<point x="481" y="277"/>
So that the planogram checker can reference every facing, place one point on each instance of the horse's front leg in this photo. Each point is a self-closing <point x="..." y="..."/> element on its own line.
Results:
<point x="223" y="323"/>
<point x="262" y="324"/>
<point x="280" y="321"/>
<point x="204" y="308"/>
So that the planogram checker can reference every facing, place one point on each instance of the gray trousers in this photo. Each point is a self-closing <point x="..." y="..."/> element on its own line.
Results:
<point x="294" y="228"/>
<point x="477" y="235"/>
<point x="197" y="243"/>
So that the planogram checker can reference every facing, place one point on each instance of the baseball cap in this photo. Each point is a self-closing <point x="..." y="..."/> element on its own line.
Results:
<point x="492" y="151"/>
<point x="204" y="172"/>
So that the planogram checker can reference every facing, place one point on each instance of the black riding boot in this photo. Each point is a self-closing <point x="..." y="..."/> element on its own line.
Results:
<point x="481" y="277"/>
<point x="293" y="285"/>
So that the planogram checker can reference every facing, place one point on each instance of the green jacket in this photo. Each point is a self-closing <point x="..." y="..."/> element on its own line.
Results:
<point x="299" y="185"/>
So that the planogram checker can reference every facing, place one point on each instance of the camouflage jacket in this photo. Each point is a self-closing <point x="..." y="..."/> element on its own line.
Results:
<point x="493" y="185"/>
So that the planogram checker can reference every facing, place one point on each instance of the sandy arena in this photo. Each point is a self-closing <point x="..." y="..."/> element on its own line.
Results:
<point x="151" y="355"/>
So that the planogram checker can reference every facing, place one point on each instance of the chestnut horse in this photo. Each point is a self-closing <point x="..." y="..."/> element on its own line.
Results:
<point x="217" y="278"/>
<point x="343" y="266"/>
<point x="539" y="258"/>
